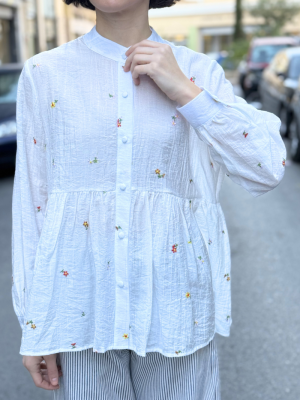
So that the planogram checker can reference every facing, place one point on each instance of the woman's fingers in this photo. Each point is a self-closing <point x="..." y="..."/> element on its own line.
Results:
<point x="52" y="368"/>
<point x="39" y="373"/>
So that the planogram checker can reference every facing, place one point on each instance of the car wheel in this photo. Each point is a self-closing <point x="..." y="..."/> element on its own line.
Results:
<point x="295" y="140"/>
<point x="283" y="119"/>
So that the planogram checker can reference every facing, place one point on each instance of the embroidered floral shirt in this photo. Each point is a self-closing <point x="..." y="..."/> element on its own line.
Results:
<point x="119" y="240"/>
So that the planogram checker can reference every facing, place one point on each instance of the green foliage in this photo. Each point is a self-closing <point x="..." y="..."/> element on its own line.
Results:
<point x="275" y="14"/>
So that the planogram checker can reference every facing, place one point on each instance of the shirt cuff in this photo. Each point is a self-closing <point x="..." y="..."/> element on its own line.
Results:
<point x="201" y="108"/>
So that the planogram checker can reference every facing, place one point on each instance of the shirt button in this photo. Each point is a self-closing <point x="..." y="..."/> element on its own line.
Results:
<point x="124" y="139"/>
<point x="123" y="186"/>
<point x="124" y="94"/>
<point x="121" y="235"/>
<point x="124" y="56"/>
<point x="120" y="283"/>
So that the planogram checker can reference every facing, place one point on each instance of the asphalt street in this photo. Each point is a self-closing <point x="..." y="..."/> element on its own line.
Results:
<point x="261" y="358"/>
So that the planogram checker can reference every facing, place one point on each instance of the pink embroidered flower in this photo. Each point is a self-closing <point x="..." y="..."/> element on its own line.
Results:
<point x="245" y="134"/>
<point x="192" y="79"/>
<point x="34" y="140"/>
<point x="283" y="162"/>
<point x="174" y="248"/>
<point x="73" y="345"/>
<point x="174" y="117"/>
<point x="119" y="122"/>
<point x="39" y="208"/>
<point x="212" y="165"/>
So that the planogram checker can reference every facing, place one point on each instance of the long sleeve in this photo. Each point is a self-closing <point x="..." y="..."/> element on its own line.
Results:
<point x="245" y="141"/>
<point x="29" y="190"/>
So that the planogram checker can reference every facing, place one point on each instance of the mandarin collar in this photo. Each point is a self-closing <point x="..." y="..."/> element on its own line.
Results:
<point x="109" y="48"/>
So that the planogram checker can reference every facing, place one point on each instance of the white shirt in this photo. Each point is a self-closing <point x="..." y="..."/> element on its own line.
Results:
<point x="119" y="240"/>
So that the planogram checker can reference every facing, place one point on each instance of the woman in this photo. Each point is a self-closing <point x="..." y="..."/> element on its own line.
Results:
<point x="121" y="260"/>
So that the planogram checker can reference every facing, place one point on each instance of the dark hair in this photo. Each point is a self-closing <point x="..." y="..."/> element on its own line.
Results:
<point x="152" y="3"/>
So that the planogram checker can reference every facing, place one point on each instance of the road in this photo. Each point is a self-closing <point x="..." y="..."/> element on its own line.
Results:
<point x="261" y="358"/>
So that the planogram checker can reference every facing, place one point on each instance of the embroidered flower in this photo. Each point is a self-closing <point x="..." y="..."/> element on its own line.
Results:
<point x="201" y="259"/>
<point x="223" y="232"/>
<point x="190" y="241"/>
<point x="108" y="264"/>
<point x="195" y="322"/>
<point x="174" y="248"/>
<point x="53" y="161"/>
<point x="245" y="134"/>
<point x="53" y="103"/>
<point x="125" y="336"/>
<point x="228" y="316"/>
<point x="174" y="117"/>
<point x="259" y="165"/>
<point x="95" y="160"/>
<point x="118" y="227"/>
<point x="188" y="295"/>
<point x="33" y="326"/>
<point x="86" y="224"/>
<point x="228" y="277"/>
<point x="191" y="180"/>
<point x="192" y="79"/>
<point x="159" y="175"/>
<point x="29" y="322"/>
<point x="34" y="140"/>
<point x="209" y="241"/>
<point x="73" y="345"/>
<point x="119" y="122"/>
<point x="65" y="273"/>
<point x="39" y="208"/>
<point x="36" y="65"/>
<point x="83" y="314"/>
<point x="190" y="203"/>
<point x="212" y="165"/>
<point x="110" y="95"/>
<point x="283" y="162"/>
<point x="178" y="351"/>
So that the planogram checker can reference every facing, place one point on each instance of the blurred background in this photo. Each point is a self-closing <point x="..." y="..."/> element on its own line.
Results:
<point x="258" y="45"/>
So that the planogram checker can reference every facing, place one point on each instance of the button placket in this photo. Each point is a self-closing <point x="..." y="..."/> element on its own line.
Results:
<point x="123" y="198"/>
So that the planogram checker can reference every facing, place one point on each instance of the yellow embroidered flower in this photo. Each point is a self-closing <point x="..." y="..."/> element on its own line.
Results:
<point x="86" y="224"/>
<point x="53" y="103"/>
<point x="33" y="326"/>
<point x="125" y="336"/>
<point x="188" y="295"/>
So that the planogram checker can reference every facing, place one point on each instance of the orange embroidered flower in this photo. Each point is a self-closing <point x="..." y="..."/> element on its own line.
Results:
<point x="53" y="103"/>
<point x="125" y="336"/>
<point x="33" y="326"/>
<point x="283" y="162"/>
<point x="245" y="134"/>
<point x="34" y="140"/>
<point x="159" y="175"/>
<point x="228" y="277"/>
<point x="118" y="227"/>
<point x="177" y="352"/>
<point x="192" y="78"/>
<point x="29" y="322"/>
<point x="212" y="165"/>
<point x="119" y="122"/>
<point x="73" y="345"/>
<point x="86" y="224"/>
<point x="188" y="295"/>
<point x="174" y="248"/>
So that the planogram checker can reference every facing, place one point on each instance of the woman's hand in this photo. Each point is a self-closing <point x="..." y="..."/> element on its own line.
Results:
<point x="157" y="61"/>
<point x="43" y="370"/>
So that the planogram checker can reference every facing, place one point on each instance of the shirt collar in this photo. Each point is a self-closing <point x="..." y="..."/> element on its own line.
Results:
<point x="107" y="47"/>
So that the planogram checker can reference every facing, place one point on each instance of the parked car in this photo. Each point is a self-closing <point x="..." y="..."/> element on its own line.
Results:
<point x="9" y="76"/>
<point x="261" y="51"/>
<point x="278" y="85"/>
<point x="295" y="125"/>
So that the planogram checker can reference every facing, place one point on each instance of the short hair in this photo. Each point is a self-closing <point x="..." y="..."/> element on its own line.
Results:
<point x="152" y="3"/>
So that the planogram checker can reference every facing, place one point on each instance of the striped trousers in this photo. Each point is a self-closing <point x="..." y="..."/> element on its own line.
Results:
<point x="124" y="375"/>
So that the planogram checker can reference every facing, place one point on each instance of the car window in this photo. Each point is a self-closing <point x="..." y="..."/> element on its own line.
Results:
<point x="265" y="53"/>
<point x="9" y="86"/>
<point x="294" y="69"/>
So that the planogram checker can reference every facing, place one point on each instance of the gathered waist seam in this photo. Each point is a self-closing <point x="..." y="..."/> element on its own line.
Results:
<point x="133" y="190"/>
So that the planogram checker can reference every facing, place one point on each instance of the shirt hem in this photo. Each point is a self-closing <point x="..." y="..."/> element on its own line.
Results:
<point x="133" y="348"/>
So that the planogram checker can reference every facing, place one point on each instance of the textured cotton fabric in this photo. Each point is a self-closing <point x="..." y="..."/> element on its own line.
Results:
<point x="119" y="240"/>
<point x="124" y="375"/>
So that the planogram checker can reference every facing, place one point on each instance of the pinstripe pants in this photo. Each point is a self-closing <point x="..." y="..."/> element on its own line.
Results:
<point x="124" y="375"/>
